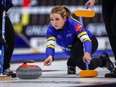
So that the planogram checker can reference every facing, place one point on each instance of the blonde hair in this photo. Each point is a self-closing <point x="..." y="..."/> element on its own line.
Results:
<point x="62" y="10"/>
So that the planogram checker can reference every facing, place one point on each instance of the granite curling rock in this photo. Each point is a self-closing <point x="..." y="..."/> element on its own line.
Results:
<point x="26" y="71"/>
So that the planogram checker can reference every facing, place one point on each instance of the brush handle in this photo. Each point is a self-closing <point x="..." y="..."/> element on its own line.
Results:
<point x="87" y="65"/>
<point x="80" y="18"/>
<point x="81" y="21"/>
<point x="87" y="6"/>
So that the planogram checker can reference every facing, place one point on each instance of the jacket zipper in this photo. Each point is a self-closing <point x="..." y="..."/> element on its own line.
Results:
<point x="64" y="39"/>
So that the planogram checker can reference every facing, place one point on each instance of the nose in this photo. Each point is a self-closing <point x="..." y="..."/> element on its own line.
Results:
<point x="54" y="22"/>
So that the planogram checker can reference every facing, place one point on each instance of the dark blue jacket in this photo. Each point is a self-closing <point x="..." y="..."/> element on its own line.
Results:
<point x="7" y="1"/>
<point x="65" y="37"/>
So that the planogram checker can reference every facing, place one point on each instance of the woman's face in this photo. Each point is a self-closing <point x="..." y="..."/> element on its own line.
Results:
<point x="57" y="21"/>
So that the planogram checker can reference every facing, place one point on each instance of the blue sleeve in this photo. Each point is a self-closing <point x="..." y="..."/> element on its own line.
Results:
<point x="87" y="46"/>
<point x="50" y="43"/>
<point x="50" y="51"/>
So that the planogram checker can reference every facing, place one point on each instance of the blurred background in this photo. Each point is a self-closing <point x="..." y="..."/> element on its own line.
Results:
<point x="30" y="19"/>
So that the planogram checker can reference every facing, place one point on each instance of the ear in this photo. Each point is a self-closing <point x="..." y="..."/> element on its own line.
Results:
<point x="64" y="17"/>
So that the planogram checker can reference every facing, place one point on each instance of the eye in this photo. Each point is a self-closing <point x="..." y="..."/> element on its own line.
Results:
<point x="57" y="19"/>
<point x="51" y="19"/>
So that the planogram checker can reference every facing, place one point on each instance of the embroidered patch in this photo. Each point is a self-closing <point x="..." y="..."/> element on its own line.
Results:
<point x="78" y="27"/>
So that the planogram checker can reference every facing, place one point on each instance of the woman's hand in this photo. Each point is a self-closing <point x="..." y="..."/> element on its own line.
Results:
<point x="91" y="2"/>
<point x="87" y="57"/>
<point x="48" y="61"/>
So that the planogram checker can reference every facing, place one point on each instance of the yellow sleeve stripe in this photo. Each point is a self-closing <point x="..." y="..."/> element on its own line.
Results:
<point x="51" y="38"/>
<point x="86" y="39"/>
<point x="82" y="33"/>
<point x="50" y="46"/>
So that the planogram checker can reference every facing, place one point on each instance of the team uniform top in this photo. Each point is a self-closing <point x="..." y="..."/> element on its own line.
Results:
<point x="8" y="5"/>
<point x="65" y="37"/>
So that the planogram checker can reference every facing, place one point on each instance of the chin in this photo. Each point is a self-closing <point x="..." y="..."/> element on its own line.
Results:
<point x="56" y="28"/>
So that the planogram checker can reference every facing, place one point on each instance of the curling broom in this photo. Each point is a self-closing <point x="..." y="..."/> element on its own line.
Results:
<point x="84" y="12"/>
<point x="86" y="73"/>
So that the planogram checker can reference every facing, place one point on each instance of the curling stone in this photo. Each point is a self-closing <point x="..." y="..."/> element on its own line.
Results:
<point x="26" y="71"/>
